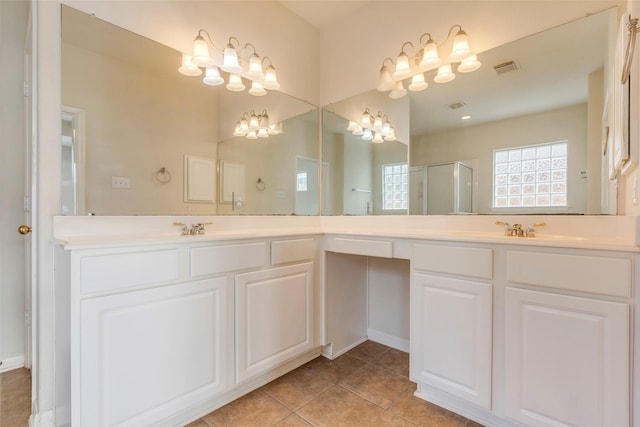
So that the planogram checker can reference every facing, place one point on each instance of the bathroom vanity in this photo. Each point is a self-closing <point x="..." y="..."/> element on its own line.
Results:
<point x="506" y="331"/>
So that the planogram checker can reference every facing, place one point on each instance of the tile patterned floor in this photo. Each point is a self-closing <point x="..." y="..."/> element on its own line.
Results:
<point x="15" y="398"/>
<point x="367" y="387"/>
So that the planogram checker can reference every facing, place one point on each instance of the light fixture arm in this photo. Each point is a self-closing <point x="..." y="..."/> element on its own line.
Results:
<point x="237" y="46"/>
<point x="407" y="43"/>
<point x="202" y="31"/>
<point x="425" y="34"/>
<point x="632" y="28"/>
<point x="390" y="60"/>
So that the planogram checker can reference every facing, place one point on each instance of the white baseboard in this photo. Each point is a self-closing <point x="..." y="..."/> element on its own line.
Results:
<point x="11" y="364"/>
<point x="388" y="340"/>
<point x="43" y="419"/>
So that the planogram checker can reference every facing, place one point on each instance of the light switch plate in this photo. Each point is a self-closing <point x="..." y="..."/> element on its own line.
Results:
<point x="120" y="182"/>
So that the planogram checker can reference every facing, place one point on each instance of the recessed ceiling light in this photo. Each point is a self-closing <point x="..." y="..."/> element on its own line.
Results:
<point x="465" y="117"/>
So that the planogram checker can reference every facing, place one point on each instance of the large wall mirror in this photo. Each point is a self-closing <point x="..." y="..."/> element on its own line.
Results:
<point x="524" y="134"/>
<point x="141" y="139"/>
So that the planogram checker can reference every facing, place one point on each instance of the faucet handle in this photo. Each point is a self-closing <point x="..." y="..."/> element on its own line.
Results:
<point x="507" y="228"/>
<point x="184" y="230"/>
<point x="531" y="229"/>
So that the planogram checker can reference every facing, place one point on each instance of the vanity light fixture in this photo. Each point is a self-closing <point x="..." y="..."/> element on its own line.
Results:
<point x="239" y="63"/>
<point x="426" y="58"/>
<point x="253" y="126"/>
<point x="372" y="128"/>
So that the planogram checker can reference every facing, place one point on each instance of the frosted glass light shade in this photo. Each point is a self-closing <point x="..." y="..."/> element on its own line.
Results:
<point x="386" y="128"/>
<point x="244" y="125"/>
<point x="238" y="131"/>
<point x="377" y="123"/>
<point x="398" y="92"/>
<point x="230" y="62"/>
<point x="430" y="58"/>
<point x="366" y="120"/>
<point x="188" y="68"/>
<point x="252" y="135"/>
<point x="352" y="126"/>
<point x="254" y="123"/>
<point x="445" y="74"/>
<point x="377" y="138"/>
<point x="418" y="83"/>
<point x="255" y="67"/>
<point x="262" y="133"/>
<point x="212" y="77"/>
<point x="367" y="135"/>
<point x="460" y="46"/>
<point x="257" y="89"/>
<point x="403" y="69"/>
<point x="358" y="131"/>
<point x="391" y="136"/>
<point x="235" y="83"/>
<point x="386" y="82"/>
<point x="469" y="64"/>
<point x="271" y="79"/>
<point x="201" y="55"/>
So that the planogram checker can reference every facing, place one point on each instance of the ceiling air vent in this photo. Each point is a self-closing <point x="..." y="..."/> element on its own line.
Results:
<point x="506" y="67"/>
<point x="456" y="105"/>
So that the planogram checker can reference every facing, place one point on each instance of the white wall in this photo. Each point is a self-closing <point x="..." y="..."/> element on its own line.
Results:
<point x="13" y="20"/>
<point x="478" y="143"/>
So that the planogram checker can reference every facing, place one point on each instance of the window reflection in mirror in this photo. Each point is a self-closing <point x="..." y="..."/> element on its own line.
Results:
<point x="142" y="117"/>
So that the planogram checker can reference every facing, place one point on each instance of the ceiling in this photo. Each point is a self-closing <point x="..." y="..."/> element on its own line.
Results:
<point x="322" y="13"/>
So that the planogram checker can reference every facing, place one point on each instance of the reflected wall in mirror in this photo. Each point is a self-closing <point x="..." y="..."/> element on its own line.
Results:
<point x="141" y="118"/>
<point x="360" y="177"/>
<point x="542" y="89"/>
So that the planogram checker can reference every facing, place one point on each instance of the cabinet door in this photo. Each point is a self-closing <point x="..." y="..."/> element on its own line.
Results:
<point x="567" y="360"/>
<point x="148" y="354"/>
<point x="451" y="336"/>
<point x="274" y="317"/>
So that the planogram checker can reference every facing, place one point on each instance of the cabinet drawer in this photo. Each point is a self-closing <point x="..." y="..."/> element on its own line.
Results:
<point x="592" y="274"/>
<point x="224" y="258"/>
<point x="461" y="261"/>
<point x="284" y="251"/>
<point x="361" y="247"/>
<point x="113" y="272"/>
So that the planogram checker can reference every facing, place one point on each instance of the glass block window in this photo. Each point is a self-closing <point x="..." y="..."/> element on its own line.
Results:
<point x="531" y="176"/>
<point x="395" y="179"/>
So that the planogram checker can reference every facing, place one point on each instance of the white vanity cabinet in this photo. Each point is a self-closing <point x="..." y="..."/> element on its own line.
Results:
<point x="145" y="355"/>
<point x="274" y="317"/>
<point x="451" y="320"/>
<point x="162" y="334"/>
<point x="567" y="357"/>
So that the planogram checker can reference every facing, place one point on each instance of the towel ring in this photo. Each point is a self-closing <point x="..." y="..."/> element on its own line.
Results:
<point x="260" y="185"/>
<point x="163" y="175"/>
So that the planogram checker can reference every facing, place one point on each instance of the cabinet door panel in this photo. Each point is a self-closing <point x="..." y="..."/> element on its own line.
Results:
<point x="566" y="360"/>
<point x="451" y="336"/>
<point x="273" y="317"/>
<point x="148" y="354"/>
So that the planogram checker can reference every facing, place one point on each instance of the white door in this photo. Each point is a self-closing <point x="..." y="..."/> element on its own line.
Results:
<point x="566" y="360"/>
<point x="306" y="186"/>
<point x="451" y="338"/>
<point x="14" y="287"/>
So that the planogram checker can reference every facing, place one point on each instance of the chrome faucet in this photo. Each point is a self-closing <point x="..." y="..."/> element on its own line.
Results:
<point x="197" y="229"/>
<point x="516" y="230"/>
